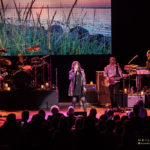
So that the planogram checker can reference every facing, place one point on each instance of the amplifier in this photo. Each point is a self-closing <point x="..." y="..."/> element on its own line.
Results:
<point x="133" y="98"/>
<point x="102" y="90"/>
<point x="91" y="93"/>
<point x="91" y="87"/>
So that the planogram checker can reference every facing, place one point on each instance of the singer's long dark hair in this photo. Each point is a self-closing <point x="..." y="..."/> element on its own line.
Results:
<point x="74" y="63"/>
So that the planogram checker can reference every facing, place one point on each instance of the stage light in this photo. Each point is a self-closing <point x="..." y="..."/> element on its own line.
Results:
<point x="125" y="90"/>
<point x="47" y="84"/>
<point x="91" y="82"/>
<point x="6" y="85"/>
<point x="8" y="88"/>
<point x="142" y="92"/>
<point x="42" y="87"/>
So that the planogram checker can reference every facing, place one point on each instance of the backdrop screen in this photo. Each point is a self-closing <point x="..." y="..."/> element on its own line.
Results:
<point x="59" y="27"/>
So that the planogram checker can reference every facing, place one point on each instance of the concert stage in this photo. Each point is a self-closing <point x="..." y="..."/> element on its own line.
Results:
<point x="30" y="99"/>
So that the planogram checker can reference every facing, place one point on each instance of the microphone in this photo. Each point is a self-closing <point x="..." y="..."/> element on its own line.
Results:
<point x="78" y="71"/>
<point x="133" y="59"/>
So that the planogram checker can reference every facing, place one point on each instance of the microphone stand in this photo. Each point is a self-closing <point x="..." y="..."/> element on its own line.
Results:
<point x="50" y="61"/>
<point x="50" y="69"/>
<point x="129" y="86"/>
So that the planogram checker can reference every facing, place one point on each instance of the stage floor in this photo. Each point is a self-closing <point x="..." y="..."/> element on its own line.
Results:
<point x="63" y="109"/>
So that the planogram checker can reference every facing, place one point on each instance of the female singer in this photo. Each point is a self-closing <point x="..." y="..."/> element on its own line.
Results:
<point x="77" y="87"/>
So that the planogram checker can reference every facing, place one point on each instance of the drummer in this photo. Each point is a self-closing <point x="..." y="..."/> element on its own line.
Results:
<point x="22" y="63"/>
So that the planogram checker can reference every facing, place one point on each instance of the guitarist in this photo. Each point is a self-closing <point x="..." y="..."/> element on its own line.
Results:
<point x="112" y="74"/>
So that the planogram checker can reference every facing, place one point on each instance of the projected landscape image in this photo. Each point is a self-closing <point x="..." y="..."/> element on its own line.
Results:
<point x="57" y="27"/>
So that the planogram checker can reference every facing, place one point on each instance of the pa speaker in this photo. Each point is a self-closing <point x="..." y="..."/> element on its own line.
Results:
<point x="102" y="90"/>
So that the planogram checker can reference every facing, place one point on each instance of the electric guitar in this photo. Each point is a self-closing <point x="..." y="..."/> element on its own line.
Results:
<point x="113" y="80"/>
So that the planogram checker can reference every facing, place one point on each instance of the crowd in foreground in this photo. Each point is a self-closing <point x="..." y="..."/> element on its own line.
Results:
<point x="56" y="132"/>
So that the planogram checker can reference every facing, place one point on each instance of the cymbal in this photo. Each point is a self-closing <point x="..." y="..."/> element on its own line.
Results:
<point x="5" y="61"/>
<point x="35" y="60"/>
<point x="33" y="48"/>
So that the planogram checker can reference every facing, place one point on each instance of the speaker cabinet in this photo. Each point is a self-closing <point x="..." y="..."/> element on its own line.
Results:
<point x="103" y="92"/>
<point x="132" y="99"/>
<point x="91" y="94"/>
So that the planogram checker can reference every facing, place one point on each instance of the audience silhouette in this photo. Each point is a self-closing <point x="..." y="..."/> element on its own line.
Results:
<point x="70" y="132"/>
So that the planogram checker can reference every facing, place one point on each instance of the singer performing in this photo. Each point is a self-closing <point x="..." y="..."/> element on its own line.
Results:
<point x="77" y="87"/>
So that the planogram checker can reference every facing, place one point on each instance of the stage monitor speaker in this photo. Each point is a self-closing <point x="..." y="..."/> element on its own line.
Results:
<point x="49" y="100"/>
<point x="27" y="99"/>
<point x="102" y="90"/>
<point x="132" y="99"/>
<point x="91" y="94"/>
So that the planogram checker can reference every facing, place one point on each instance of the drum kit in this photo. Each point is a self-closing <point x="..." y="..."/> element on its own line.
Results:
<point x="26" y="76"/>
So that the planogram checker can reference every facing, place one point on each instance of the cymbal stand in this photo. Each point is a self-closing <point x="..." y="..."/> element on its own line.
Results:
<point x="35" y="76"/>
<point x="49" y="68"/>
<point x="43" y="72"/>
<point x="43" y="69"/>
<point x="48" y="72"/>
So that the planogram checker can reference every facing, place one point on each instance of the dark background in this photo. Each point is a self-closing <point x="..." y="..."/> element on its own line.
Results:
<point x="130" y="37"/>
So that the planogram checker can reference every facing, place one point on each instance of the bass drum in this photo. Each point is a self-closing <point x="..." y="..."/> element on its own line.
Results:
<point x="22" y="79"/>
